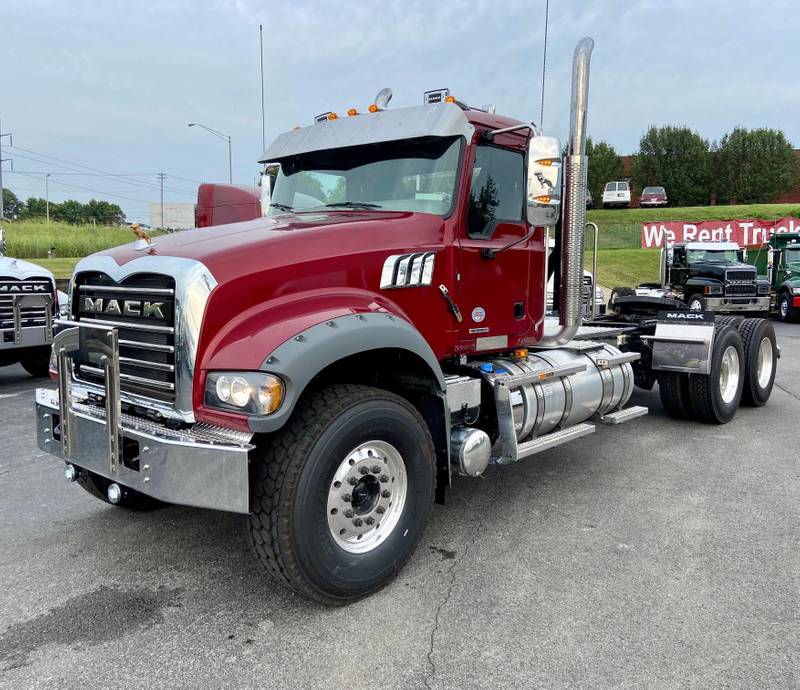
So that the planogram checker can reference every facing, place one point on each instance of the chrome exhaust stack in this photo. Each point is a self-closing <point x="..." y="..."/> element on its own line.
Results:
<point x="574" y="204"/>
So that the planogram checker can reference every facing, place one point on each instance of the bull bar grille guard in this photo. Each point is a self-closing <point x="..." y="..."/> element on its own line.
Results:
<point x="20" y="302"/>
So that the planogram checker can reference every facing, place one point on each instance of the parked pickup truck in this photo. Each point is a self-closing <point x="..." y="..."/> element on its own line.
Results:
<point x="778" y="261"/>
<point x="707" y="276"/>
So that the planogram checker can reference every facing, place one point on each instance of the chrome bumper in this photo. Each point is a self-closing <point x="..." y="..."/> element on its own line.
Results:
<point x="726" y="304"/>
<point x="28" y="336"/>
<point x="201" y="466"/>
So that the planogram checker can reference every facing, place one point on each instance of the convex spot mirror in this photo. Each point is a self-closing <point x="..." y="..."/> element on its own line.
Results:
<point x="544" y="181"/>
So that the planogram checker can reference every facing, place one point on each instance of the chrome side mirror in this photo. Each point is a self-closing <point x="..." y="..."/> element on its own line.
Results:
<point x="544" y="181"/>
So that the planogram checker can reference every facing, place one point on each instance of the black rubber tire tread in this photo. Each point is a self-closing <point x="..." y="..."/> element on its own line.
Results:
<point x="276" y="476"/>
<point x="749" y="330"/>
<point x="704" y="387"/>
<point x="734" y="321"/>
<point x="619" y="292"/>
<point x="37" y="367"/>
<point x="792" y="312"/>
<point x="131" y="499"/>
<point x="696" y="295"/>
<point x="673" y="388"/>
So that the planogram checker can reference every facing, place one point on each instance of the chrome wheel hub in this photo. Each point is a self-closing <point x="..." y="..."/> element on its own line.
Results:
<point x="784" y="307"/>
<point x="695" y="305"/>
<point x="367" y="496"/>
<point x="729" y="374"/>
<point x="765" y="360"/>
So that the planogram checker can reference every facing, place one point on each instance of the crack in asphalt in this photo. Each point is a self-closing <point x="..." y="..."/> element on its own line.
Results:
<point x="451" y="572"/>
<point x="786" y="390"/>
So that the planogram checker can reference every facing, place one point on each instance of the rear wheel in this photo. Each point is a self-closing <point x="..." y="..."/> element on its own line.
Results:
<point x="760" y="360"/>
<point x="715" y="396"/>
<point x="619" y="292"/>
<point x="341" y="495"/>
<point x="673" y="387"/>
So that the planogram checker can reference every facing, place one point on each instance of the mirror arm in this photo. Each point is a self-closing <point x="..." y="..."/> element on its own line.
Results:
<point x="489" y="253"/>
<point x="490" y="134"/>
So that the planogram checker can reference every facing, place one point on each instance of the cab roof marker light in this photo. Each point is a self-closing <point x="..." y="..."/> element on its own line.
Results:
<point x="351" y="112"/>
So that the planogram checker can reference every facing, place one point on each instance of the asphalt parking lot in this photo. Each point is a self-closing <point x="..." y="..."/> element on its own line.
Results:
<point x="658" y="554"/>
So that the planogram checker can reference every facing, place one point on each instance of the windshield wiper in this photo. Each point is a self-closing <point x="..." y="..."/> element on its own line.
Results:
<point x="281" y="207"/>
<point x="353" y="204"/>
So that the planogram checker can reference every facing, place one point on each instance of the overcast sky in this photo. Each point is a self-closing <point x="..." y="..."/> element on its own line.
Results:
<point x="112" y="85"/>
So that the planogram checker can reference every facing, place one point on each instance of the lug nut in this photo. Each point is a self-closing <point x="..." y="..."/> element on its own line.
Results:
<point x="376" y="469"/>
<point x="352" y="481"/>
<point x="347" y="498"/>
<point x="386" y="493"/>
<point x="380" y="509"/>
<point x="370" y="521"/>
<point x="384" y="478"/>
<point x="348" y="513"/>
<point x="363" y="470"/>
<point x="358" y="522"/>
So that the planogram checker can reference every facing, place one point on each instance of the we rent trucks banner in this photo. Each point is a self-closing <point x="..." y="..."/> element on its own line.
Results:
<point x="743" y="232"/>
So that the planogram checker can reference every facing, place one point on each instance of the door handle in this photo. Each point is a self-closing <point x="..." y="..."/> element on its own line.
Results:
<point x="453" y="306"/>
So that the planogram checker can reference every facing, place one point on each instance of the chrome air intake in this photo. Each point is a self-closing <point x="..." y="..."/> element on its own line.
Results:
<point x="574" y="200"/>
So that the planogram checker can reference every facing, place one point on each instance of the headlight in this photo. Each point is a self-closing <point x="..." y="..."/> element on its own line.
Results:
<point x="252" y="392"/>
<point x="763" y="288"/>
<point x="796" y="290"/>
<point x="713" y="289"/>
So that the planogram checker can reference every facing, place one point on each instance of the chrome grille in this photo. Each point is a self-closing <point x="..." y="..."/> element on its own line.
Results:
<point x="740" y="275"/>
<point x="740" y="290"/>
<point x="142" y="307"/>
<point x="31" y="316"/>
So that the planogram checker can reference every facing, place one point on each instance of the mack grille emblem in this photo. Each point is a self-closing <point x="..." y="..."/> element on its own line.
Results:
<point x="127" y="307"/>
<point x="23" y="288"/>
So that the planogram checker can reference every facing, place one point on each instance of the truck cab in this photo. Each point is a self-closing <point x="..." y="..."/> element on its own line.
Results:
<point x="712" y="276"/>
<point x="778" y="262"/>
<point x="28" y="309"/>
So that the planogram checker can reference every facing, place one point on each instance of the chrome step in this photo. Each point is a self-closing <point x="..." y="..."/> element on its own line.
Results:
<point x="622" y="416"/>
<point x="554" y="439"/>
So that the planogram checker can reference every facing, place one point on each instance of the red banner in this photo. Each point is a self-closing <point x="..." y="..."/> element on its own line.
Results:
<point x="743" y="232"/>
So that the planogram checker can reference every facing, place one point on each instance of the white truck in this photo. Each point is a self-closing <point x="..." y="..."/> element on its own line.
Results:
<point x="28" y="307"/>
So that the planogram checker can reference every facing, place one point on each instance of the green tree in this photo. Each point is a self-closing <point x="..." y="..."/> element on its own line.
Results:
<point x="36" y="208"/>
<point x="755" y="166"/>
<point x="605" y="165"/>
<point x="69" y="211"/>
<point x="12" y="206"/>
<point x="677" y="159"/>
<point x="103" y="213"/>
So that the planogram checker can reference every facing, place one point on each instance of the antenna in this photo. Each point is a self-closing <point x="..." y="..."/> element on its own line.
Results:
<point x="263" y="117"/>
<point x="544" y="61"/>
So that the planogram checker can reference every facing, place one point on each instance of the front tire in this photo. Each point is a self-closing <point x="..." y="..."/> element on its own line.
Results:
<point x="715" y="397"/>
<point x="37" y="365"/>
<point x="341" y="496"/>
<point x="696" y="303"/>
<point x="786" y="311"/>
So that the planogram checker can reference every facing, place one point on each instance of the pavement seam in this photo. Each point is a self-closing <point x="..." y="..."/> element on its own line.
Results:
<point x="787" y="391"/>
<point x="451" y="571"/>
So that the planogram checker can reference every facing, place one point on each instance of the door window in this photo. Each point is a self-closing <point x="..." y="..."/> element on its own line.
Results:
<point x="497" y="191"/>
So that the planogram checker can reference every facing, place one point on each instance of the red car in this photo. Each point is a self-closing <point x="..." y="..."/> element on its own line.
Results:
<point x="652" y="197"/>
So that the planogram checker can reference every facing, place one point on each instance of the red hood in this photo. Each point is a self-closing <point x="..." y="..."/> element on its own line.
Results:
<point x="232" y="251"/>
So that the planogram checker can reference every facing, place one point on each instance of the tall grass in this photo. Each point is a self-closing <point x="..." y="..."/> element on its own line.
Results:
<point x="31" y="239"/>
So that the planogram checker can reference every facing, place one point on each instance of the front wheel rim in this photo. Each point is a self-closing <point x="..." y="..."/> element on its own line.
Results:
<point x="784" y="307"/>
<point x="695" y="305"/>
<point x="367" y="496"/>
<point x="729" y="374"/>
<point x="765" y="362"/>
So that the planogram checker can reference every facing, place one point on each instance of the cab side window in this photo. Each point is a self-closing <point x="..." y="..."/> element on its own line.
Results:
<point x="497" y="191"/>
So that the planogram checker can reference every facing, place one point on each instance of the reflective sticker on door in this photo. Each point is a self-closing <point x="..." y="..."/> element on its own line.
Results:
<point x="478" y="314"/>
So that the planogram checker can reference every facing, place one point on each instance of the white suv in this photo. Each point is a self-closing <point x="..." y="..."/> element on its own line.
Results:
<point x="617" y="194"/>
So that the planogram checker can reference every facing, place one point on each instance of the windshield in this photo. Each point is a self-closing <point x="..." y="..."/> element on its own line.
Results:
<point x="411" y="175"/>
<point x="653" y="190"/>
<point x="792" y="255"/>
<point x="694" y="255"/>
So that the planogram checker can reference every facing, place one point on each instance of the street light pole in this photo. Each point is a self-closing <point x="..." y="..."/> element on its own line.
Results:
<point x="47" y="195"/>
<point x="224" y="137"/>
<point x="11" y="143"/>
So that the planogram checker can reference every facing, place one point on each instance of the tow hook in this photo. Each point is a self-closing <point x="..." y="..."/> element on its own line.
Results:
<point x="70" y="472"/>
<point x="453" y="306"/>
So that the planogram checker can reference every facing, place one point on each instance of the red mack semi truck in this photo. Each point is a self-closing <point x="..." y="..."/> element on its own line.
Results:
<point x="330" y="368"/>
